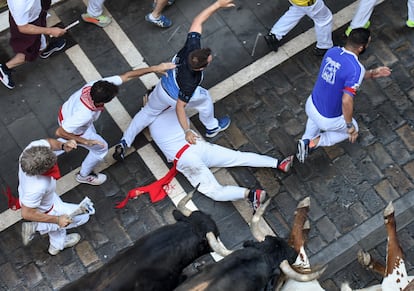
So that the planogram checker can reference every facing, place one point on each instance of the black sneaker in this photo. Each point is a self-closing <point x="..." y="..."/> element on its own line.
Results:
<point x="256" y="198"/>
<point x="303" y="150"/>
<point x="54" y="46"/>
<point x="5" y="76"/>
<point x="119" y="153"/>
<point x="319" y="52"/>
<point x="272" y="41"/>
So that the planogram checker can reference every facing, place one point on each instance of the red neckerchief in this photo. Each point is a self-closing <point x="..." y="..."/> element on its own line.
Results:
<point x="53" y="172"/>
<point x="86" y="99"/>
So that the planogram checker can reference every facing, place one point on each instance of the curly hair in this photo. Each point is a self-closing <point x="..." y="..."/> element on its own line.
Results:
<point x="37" y="160"/>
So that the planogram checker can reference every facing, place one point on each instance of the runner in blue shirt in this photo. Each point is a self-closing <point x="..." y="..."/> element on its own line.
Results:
<point x="330" y="106"/>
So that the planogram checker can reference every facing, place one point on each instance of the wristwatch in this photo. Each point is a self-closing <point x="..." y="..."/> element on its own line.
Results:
<point x="349" y="125"/>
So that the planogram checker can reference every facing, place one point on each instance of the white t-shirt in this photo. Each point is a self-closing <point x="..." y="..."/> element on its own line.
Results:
<point x="24" y="11"/>
<point x="77" y="118"/>
<point x="167" y="133"/>
<point x="36" y="191"/>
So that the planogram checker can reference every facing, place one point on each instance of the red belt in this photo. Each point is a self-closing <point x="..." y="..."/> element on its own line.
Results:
<point x="180" y="152"/>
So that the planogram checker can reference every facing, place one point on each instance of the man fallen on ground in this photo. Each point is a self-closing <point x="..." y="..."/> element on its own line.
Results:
<point x="195" y="160"/>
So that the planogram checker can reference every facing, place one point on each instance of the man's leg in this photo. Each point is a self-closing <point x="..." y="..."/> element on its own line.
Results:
<point x="96" y="155"/>
<point x="158" y="101"/>
<point x="5" y="69"/>
<point x="322" y="17"/>
<point x="156" y="17"/>
<point x="94" y="14"/>
<point x="203" y="103"/>
<point x="197" y="172"/>
<point x="410" y="17"/>
<point x="362" y="15"/>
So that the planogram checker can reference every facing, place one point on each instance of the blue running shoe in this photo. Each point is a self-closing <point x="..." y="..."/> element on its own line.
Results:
<point x="162" y="22"/>
<point x="223" y="124"/>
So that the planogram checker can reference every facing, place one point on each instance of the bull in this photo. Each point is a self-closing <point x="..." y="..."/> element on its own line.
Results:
<point x="156" y="260"/>
<point x="251" y="268"/>
<point x="394" y="273"/>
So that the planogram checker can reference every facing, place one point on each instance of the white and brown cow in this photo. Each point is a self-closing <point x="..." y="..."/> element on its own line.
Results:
<point x="395" y="274"/>
<point x="290" y="281"/>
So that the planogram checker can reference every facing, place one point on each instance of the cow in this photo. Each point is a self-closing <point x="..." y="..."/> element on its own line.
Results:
<point x="156" y="260"/>
<point x="248" y="269"/>
<point x="394" y="273"/>
<point x="289" y="279"/>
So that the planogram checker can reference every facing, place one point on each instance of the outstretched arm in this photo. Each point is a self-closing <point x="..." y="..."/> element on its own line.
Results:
<point x="197" y="25"/>
<point x="161" y="69"/>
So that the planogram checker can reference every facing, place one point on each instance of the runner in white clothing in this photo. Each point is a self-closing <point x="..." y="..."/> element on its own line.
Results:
<point x="364" y="11"/>
<point x="77" y="115"/>
<point x="38" y="172"/>
<point x="195" y="161"/>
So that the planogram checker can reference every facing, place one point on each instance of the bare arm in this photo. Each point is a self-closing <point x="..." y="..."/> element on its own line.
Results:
<point x="34" y="29"/>
<point x="347" y="111"/>
<point x="67" y="146"/>
<point x="60" y="132"/>
<point x="161" y="69"/>
<point x="190" y="136"/>
<point x="33" y="214"/>
<point x="197" y="24"/>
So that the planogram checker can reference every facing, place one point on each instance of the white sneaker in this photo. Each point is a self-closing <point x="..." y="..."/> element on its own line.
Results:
<point x="92" y="179"/>
<point x="70" y="240"/>
<point x="28" y="232"/>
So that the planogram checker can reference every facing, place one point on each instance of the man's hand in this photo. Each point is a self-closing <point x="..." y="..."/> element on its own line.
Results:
<point x="69" y="145"/>
<point x="380" y="72"/>
<point x="191" y="137"/>
<point x="353" y="134"/>
<point x="56" y="31"/>
<point x="226" y="3"/>
<point x="64" y="220"/>
<point x="164" y="67"/>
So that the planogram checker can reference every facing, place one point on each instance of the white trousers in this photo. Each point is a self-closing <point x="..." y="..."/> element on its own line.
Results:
<point x="95" y="7"/>
<point x="96" y="152"/>
<point x="318" y="12"/>
<point x="57" y="235"/>
<point x="159" y="101"/>
<point x="365" y="9"/>
<point x="330" y="130"/>
<point x="197" y="159"/>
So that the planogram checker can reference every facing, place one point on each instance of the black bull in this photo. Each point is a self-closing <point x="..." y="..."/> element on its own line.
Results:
<point x="248" y="269"/>
<point x="155" y="261"/>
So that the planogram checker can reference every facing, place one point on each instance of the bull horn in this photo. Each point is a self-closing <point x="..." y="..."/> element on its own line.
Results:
<point x="295" y="275"/>
<point x="181" y="205"/>
<point x="216" y="245"/>
<point x="254" y="225"/>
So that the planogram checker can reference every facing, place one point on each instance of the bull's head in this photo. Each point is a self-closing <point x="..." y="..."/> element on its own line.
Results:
<point x="202" y="223"/>
<point x="296" y="240"/>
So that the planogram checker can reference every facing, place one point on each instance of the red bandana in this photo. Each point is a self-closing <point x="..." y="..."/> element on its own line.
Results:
<point x="53" y="172"/>
<point x="13" y="202"/>
<point x="86" y="99"/>
<point x="156" y="190"/>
